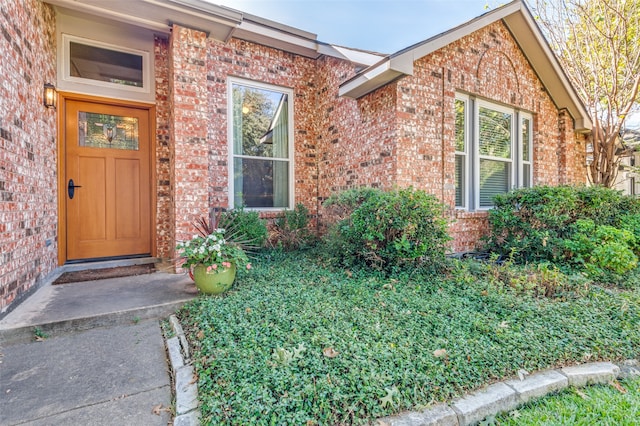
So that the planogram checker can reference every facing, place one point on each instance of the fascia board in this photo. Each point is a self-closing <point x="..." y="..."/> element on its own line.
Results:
<point x="430" y="45"/>
<point x="543" y="60"/>
<point x="401" y="63"/>
<point x="158" y="15"/>
<point x="260" y="34"/>
<point x="370" y="80"/>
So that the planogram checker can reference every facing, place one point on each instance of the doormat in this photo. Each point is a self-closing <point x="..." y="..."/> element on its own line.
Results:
<point x="103" y="274"/>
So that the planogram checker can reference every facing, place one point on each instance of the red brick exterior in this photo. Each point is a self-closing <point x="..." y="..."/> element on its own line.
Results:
<point x="28" y="190"/>
<point x="164" y="207"/>
<point x="397" y="136"/>
<point x="400" y="135"/>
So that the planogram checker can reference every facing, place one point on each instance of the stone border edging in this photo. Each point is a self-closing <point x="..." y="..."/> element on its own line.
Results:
<point x="186" y="386"/>
<point x="510" y="394"/>
<point x="469" y="410"/>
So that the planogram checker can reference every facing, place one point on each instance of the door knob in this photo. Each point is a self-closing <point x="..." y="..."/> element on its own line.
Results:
<point x="71" y="188"/>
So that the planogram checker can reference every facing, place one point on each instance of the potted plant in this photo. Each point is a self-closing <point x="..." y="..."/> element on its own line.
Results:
<point x="213" y="260"/>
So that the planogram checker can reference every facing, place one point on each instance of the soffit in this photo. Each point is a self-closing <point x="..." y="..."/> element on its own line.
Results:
<point x="159" y="15"/>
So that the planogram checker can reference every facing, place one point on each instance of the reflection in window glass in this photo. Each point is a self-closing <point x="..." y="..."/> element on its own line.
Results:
<point x="260" y="127"/>
<point x="112" y="66"/>
<point x="107" y="131"/>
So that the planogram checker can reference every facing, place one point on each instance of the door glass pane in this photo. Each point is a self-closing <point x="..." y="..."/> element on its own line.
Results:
<point x="260" y="183"/>
<point x="112" y="66"/>
<point x="494" y="180"/>
<point x="107" y="131"/>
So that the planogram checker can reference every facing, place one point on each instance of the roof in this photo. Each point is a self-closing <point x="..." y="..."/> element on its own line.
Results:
<point x="218" y="22"/>
<point x="518" y="19"/>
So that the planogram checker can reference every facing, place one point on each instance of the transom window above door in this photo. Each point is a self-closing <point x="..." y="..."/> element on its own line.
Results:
<point x="101" y="64"/>
<point x="261" y="149"/>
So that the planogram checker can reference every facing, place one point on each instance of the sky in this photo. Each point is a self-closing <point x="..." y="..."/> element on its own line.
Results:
<point x="384" y="26"/>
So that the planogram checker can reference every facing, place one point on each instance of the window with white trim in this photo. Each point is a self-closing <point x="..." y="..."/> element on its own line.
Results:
<point x="462" y="136"/>
<point x="493" y="151"/>
<point x="261" y="149"/>
<point x="105" y="65"/>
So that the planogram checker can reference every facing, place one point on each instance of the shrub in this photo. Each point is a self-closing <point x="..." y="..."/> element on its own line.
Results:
<point x="389" y="229"/>
<point x="290" y="231"/>
<point x="340" y="206"/>
<point x="534" y="222"/>
<point x="246" y="226"/>
<point x="593" y="229"/>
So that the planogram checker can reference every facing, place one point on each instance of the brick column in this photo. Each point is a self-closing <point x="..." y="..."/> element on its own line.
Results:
<point x="189" y="152"/>
<point x="568" y="162"/>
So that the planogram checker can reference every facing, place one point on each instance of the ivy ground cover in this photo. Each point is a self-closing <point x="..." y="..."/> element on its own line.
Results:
<point x="296" y="342"/>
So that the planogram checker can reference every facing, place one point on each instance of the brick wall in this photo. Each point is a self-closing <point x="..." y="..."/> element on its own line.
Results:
<point x="490" y="65"/>
<point x="189" y="159"/>
<point x="265" y="65"/>
<point x="28" y="191"/>
<point x="164" y="227"/>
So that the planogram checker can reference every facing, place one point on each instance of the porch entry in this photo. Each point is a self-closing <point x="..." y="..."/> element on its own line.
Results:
<point x="107" y="180"/>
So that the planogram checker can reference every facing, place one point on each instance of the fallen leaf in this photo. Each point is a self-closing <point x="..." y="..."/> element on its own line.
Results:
<point x="382" y="423"/>
<point x="439" y="353"/>
<point x="504" y="324"/>
<point x="194" y="379"/>
<point x="618" y="386"/>
<point x="200" y="335"/>
<point x="388" y="398"/>
<point x="484" y="292"/>
<point x="39" y="339"/>
<point x="159" y="409"/>
<point x="522" y="374"/>
<point x="581" y="394"/>
<point x="330" y="352"/>
<point x="248" y="310"/>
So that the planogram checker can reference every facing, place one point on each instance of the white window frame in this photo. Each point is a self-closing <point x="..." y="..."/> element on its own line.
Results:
<point x="522" y="116"/>
<point x="476" y="148"/>
<point x="466" y="155"/>
<point x="67" y="39"/>
<point x="471" y="182"/>
<point x="264" y="86"/>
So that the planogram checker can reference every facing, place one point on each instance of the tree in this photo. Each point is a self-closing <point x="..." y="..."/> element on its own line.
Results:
<point x="598" y="45"/>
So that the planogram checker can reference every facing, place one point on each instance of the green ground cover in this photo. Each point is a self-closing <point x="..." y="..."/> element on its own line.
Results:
<point x="299" y="342"/>
<point x="605" y="405"/>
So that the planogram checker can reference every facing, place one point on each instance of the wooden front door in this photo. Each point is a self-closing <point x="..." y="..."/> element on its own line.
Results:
<point x="108" y="180"/>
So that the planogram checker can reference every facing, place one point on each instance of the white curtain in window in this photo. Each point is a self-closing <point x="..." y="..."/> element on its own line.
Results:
<point x="238" y="180"/>
<point x="281" y="150"/>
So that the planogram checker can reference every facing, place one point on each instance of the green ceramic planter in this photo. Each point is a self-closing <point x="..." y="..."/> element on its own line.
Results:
<point x="214" y="282"/>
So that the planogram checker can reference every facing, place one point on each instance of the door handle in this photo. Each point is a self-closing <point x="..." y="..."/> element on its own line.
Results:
<point x="71" y="188"/>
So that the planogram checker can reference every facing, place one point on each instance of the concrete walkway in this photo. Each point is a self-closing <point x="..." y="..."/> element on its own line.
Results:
<point x="103" y="360"/>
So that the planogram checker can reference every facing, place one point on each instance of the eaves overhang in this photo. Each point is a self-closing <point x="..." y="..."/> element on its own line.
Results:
<point x="525" y="31"/>
<point x="217" y="22"/>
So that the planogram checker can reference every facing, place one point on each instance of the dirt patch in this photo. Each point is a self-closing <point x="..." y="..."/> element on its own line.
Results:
<point x="102" y="274"/>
